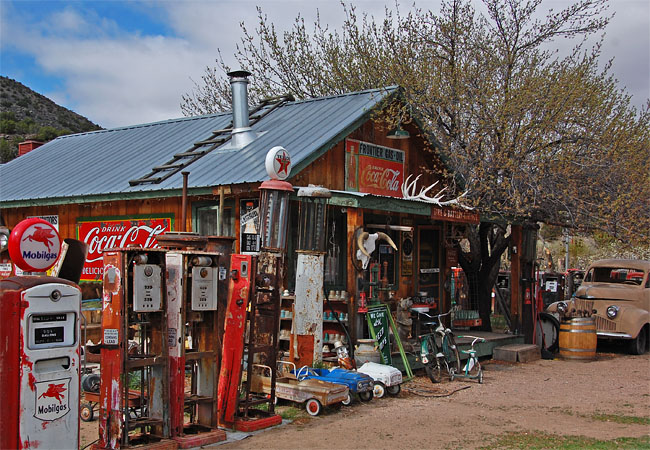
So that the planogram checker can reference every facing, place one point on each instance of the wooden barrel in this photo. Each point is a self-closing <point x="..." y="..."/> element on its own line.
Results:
<point x="578" y="338"/>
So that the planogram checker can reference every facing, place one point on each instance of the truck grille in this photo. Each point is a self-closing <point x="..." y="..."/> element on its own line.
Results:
<point x="584" y="305"/>
<point x="603" y="324"/>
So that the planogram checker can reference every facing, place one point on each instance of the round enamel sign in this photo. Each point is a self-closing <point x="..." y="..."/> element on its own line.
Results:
<point x="278" y="163"/>
<point x="34" y="245"/>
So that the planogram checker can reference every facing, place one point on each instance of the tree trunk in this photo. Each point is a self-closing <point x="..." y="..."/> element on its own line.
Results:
<point x="481" y="265"/>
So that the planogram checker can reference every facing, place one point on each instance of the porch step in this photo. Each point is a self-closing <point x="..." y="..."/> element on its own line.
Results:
<point x="517" y="353"/>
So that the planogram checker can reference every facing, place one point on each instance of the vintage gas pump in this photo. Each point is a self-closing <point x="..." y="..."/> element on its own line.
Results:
<point x="308" y="306"/>
<point x="193" y="279"/>
<point x="134" y="392"/>
<point x="239" y="407"/>
<point x="39" y="355"/>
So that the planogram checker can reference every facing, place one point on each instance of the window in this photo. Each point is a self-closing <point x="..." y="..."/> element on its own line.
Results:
<point x="207" y="220"/>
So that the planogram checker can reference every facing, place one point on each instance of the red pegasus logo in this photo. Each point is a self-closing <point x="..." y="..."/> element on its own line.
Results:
<point x="42" y="235"/>
<point x="54" y="391"/>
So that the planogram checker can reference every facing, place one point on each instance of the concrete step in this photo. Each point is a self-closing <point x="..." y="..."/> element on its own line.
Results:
<point x="517" y="353"/>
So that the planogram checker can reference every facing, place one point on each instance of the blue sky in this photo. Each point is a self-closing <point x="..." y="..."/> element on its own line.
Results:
<point x="128" y="62"/>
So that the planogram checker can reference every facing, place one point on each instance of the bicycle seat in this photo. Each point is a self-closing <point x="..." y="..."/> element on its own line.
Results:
<point x="428" y="324"/>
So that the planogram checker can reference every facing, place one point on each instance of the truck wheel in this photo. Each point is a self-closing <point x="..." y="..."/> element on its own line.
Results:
<point x="379" y="389"/>
<point x="365" y="396"/>
<point x="348" y="400"/>
<point x="394" y="389"/>
<point x="639" y="345"/>
<point x="87" y="412"/>
<point x="313" y="407"/>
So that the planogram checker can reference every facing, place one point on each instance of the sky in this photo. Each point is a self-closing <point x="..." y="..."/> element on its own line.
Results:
<point x="122" y="63"/>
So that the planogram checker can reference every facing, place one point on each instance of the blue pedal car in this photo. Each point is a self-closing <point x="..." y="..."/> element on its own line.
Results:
<point x="357" y="383"/>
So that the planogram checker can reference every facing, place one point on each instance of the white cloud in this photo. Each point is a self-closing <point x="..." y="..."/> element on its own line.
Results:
<point x="117" y="77"/>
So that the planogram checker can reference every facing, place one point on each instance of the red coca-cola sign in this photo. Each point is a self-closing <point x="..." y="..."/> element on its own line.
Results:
<point x="373" y="168"/>
<point x="102" y="234"/>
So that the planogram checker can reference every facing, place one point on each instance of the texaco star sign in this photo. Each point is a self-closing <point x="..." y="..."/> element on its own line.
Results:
<point x="278" y="163"/>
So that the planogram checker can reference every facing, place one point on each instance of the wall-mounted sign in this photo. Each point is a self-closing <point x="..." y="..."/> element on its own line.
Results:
<point x="407" y="253"/>
<point x="249" y="220"/>
<point x="454" y="215"/>
<point x="373" y="169"/>
<point x="53" y="219"/>
<point x="34" y="245"/>
<point x="103" y="233"/>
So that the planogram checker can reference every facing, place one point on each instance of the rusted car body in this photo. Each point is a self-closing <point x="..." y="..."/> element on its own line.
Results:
<point x="616" y="293"/>
<point x="288" y="387"/>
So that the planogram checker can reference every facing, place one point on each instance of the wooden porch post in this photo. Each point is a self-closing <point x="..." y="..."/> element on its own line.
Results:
<point x="354" y="220"/>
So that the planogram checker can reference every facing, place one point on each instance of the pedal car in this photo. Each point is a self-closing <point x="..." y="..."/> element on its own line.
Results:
<point x="387" y="378"/>
<point x="357" y="383"/>
<point x="314" y="393"/>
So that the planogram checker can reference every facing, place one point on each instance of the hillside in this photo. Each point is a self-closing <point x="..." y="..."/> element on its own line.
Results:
<point x="25" y="114"/>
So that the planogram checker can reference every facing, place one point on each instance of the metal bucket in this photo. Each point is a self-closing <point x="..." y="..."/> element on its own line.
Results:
<point x="366" y="351"/>
<point x="578" y="339"/>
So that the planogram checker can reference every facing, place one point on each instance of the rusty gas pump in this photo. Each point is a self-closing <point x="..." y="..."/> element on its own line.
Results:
<point x="193" y="279"/>
<point x="253" y="311"/>
<point x="306" y="342"/>
<point x="134" y="391"/>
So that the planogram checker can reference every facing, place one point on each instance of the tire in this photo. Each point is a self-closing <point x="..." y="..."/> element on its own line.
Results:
<point x="450" y="350"/>
<point x="379" y="389"/>
<point x="639" y="345"/>
<point x="313" y="407"/>
<point x="86" y="414"/>
<point x="547" y="331"/>
<point x="394" y="390"/>
<point x="432" y="366"/>
<point x="365" y="396"/>
<point x="90" y="382"/>
<point x="347" y="401"/>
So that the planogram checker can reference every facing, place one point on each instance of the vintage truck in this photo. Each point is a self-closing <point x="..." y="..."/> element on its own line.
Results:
<point x="314" y="393"/>
<point x="616" y="293"/>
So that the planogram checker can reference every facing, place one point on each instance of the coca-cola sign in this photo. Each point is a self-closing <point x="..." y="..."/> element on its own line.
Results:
<point x="102" y="234"/>
<point x="373" y="168"/>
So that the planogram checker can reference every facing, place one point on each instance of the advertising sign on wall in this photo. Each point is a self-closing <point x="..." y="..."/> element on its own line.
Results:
<point x="115" y="232"/>
<point x="249" y="214"/>
<point x="373" y="169"/>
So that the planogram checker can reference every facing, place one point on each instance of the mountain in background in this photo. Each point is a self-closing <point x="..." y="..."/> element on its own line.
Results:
<point x="28" y="115"/>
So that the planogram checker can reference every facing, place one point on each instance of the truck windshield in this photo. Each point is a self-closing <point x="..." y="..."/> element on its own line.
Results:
<point x="614" y="275"/>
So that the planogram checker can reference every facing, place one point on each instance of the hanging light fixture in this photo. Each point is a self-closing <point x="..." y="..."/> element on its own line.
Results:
<point x="398" y="133"/>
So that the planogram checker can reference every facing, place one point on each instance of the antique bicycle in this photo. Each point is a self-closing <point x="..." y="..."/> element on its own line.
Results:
<point x="438" y="349"/>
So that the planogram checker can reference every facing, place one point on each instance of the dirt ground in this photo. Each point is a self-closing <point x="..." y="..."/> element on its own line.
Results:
<point x="605" y="399"/>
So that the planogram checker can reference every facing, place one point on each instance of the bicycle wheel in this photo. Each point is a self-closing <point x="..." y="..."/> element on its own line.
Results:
<point x="450" y="350"/>
<point x="432" y="367"/>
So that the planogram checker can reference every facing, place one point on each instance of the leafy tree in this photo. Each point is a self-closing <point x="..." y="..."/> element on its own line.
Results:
<point x="7" y="151"/>
<point x="531" y="134"/>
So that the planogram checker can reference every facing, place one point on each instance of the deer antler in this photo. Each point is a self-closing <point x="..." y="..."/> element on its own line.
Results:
<point x="408" y="192"/>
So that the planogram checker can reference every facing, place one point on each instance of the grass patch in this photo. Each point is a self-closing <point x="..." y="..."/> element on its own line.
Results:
<point x="289" y="412"/>
<point x="538" y="440"/>
<point x="621" y="419"/>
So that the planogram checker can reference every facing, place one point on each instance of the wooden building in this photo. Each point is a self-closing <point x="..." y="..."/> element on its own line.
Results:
<point x="124" y="186"/>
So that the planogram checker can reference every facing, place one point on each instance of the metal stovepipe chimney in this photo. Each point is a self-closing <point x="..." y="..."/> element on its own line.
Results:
<point x="242" y="134"/>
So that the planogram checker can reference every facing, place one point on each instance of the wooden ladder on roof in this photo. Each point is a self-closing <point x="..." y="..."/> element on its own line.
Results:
<point x="183" y="159"/>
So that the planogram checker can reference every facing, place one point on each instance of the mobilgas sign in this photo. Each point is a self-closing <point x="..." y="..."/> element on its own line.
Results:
<point x="34" y="245"/>
<point x="52" y="399"/>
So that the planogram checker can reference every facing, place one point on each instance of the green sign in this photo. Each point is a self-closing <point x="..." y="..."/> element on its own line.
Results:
<point x="378" y="326"/>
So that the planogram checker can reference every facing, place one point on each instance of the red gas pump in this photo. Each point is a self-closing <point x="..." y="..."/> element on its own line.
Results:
<point x="39" y="355"/>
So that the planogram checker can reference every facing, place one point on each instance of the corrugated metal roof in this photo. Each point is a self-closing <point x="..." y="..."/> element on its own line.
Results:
<point x="101" y="163"/>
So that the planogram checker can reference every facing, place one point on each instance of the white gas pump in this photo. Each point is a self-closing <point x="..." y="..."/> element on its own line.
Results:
<point x="39" y="357"/>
